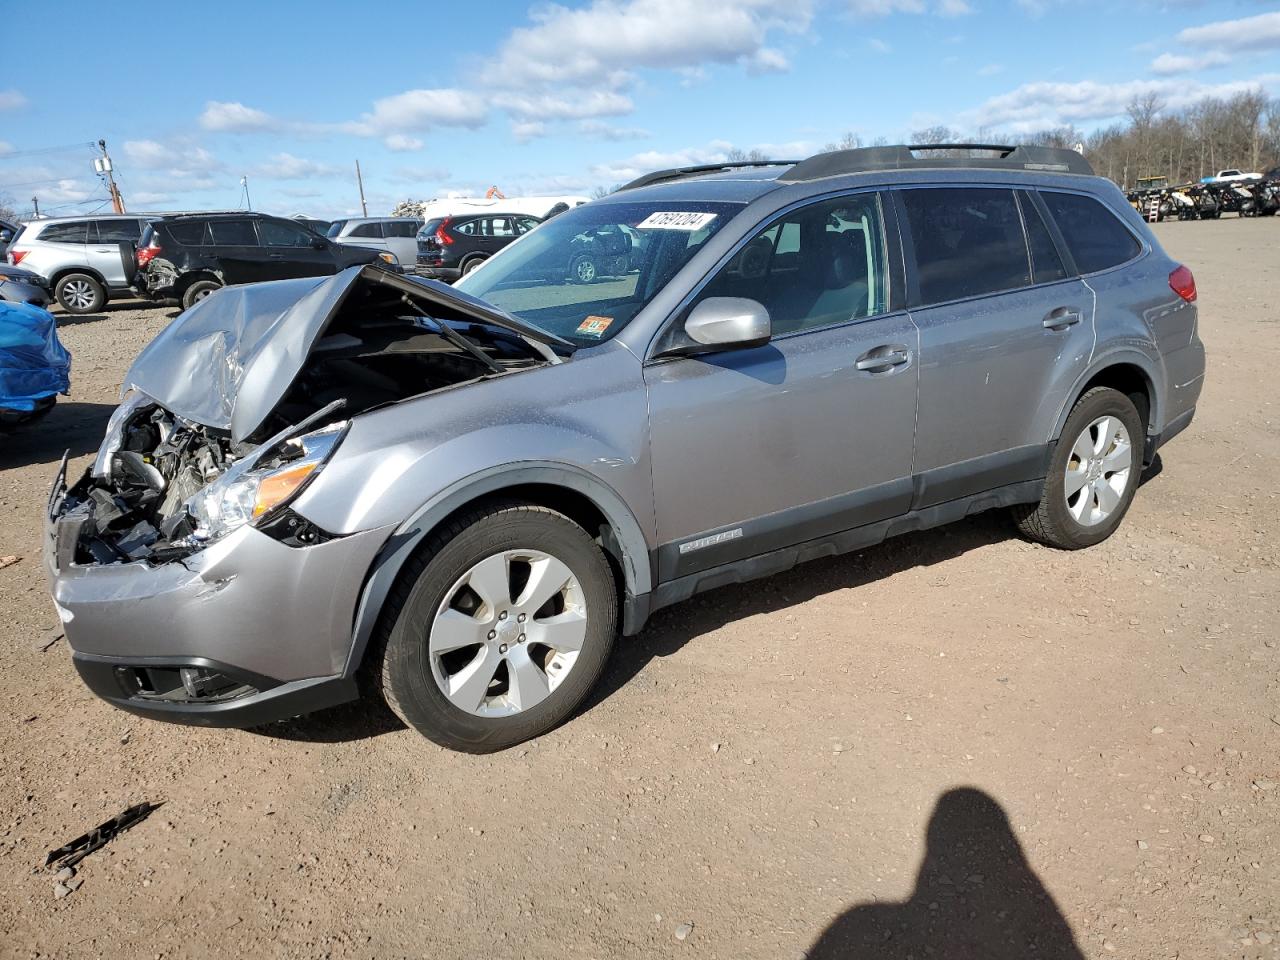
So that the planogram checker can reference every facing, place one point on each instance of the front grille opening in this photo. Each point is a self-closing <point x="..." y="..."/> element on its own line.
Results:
<point x="181" y="684"/>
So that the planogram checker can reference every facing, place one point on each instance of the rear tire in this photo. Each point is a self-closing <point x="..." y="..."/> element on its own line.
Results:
<point x="198" y="291"/>
<point x="470" y="265"/>
<point x="1093" y="474"/>
<point x="439" y="635"/>
<point x="80" y="293"/>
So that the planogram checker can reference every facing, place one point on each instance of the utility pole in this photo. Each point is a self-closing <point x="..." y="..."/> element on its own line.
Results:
<point x="35" y="202"/>
<point x="364" y="207"/>
<point x="103" y="166"/>
<point x="244" y="183"/>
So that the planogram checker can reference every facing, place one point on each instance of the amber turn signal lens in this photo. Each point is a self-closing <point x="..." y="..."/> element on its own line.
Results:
<point x="280" y="486"/>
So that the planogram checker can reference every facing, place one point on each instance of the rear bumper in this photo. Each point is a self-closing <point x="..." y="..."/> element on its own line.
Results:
<point x="448" y="274"/>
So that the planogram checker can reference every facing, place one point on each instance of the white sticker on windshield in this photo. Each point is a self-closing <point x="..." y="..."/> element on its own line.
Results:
<point x="675" y="220"/>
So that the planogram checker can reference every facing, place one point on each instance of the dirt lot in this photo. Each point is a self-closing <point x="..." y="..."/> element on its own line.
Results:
<point x="770" y="771"/>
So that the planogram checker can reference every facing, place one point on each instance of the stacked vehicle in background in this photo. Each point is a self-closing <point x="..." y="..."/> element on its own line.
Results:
<point x="449" y="247"/>
<point x="188" y="257"/>
<point x="81" y="258"/>
<point x="1244" y="194"/>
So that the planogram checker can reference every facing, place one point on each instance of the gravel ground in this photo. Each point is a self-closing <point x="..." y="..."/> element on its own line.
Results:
<point x="957" y="744"/>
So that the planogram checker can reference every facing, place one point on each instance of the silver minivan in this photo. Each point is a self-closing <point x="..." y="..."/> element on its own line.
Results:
<point x="81" y="257"/>
<point x="455" y="498"/>
<point x="397" y="235"/>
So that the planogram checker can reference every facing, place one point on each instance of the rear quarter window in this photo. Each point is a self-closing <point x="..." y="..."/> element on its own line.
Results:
<point x="1094" y="235"/>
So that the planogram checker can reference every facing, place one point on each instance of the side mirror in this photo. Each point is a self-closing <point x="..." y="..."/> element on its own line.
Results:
<point x="724" y="323"/>
<point x="319" y="243"/>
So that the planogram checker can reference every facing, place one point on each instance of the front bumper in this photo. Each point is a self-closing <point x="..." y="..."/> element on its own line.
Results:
<point x="274" y="622"/>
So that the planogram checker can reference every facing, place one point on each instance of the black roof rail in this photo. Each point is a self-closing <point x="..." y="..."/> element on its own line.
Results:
<point x="903" y="157"/>
<point x="679" y="173"/>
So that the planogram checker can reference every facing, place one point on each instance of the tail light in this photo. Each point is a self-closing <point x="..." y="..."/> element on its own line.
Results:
<point x="1183" y="284"/>
<point x="15" y="256"/>
<point x="146" y="254"/>
<point x="442" y="234"/>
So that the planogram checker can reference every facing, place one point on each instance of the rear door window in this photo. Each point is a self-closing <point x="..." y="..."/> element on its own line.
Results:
<point x="1095" y="236"/>
<point x="367" y="231"/>
<point x="274" y="233"/>
<point x="116" y="231"/>
<point x="74" y="232"/>
<point x="402" y="228"/>
<point x="968" y="242"/>
<point x="233" y="233"/>
<point x="501" y="227"/>
<point x="1046" y="264"/>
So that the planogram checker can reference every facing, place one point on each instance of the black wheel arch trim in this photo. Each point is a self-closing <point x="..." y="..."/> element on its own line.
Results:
<point x="634" y="551"/>
<point x="87" y="271"/>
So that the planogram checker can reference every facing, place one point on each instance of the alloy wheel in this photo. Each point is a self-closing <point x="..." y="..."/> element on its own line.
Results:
<point x="1098" y="471"/>
<point x="507" y="633"/>
<point x="77" y="294"/>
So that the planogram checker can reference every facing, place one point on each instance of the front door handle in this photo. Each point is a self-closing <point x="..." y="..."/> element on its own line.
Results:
<point x="1061" y="318"/>
<point x="882" y="359"/>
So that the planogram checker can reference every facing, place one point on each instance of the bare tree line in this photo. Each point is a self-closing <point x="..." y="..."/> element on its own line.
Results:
<point x="1240" y="132"/>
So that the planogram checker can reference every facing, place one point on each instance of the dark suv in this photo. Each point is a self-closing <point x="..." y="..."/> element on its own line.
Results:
<point x="186" y="258"/>
<point x="450" y="247"/>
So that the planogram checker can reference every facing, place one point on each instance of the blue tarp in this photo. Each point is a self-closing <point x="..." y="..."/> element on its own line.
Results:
<point x="34" y="365"/>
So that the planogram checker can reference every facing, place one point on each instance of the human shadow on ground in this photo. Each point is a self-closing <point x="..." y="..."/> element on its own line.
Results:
<point x="976" y="898"/>
<point x="69" y="425"/>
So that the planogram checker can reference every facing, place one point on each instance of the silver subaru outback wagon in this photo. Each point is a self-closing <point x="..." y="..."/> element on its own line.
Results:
<point x="457" y="497"/>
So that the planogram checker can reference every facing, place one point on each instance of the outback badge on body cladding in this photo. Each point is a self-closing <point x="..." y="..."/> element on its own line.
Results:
<point x="711" y="541"/>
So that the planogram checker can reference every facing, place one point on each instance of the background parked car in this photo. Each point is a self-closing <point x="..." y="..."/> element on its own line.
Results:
<point x="8" y="230"/>
<point x="79" y="256"/>
<point x="318" y="227"/>
<point x="396" y="235"/>
<point x="34" y="366"/>
<point x="449" y="247"/>
<point x="188" y="257"/>
<point x="22" y="286"/>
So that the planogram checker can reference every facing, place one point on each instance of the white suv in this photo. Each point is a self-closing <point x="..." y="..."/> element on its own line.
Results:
<point x="81" y="257"/>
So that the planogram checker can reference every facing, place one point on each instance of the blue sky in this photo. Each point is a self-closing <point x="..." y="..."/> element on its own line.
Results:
<point x="447" y="99"/>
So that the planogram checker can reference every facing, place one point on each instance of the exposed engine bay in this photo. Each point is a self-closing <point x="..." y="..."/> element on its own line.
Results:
<point x="163" y="486"/>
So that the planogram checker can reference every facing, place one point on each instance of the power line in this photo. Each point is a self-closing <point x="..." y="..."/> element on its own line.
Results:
<point x="37" y="151"/>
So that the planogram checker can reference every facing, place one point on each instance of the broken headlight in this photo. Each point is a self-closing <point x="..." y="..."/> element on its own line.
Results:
<point x="255" y="487"/>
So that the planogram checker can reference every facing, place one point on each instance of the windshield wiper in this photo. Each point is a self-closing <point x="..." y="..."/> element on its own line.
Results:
<point x="454" y="337"/>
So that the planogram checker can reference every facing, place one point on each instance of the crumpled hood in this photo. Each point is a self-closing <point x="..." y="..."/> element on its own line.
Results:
<point x="228" y="361"/>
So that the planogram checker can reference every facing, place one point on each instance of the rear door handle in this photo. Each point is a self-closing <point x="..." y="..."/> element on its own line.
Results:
<point x="1061" y="318"/>
<point x="882" y="359"/>
<point x="275" y="256"/>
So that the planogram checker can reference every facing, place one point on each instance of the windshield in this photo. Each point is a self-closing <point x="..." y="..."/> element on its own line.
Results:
<point x="585" y="274"/>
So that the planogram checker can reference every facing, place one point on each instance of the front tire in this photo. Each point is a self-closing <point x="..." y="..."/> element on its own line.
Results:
<point x="498" y="629"/>
<point x="80" y="293"/>
<point x="1093" y="474"/>
<point x="583" y="269"/>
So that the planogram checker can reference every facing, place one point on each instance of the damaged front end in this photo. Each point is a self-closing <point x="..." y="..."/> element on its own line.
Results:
<point x="163" y="487"/>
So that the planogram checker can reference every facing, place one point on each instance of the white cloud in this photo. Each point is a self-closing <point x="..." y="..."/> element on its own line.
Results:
<point x="605" y="131"/>
<point x="576" y="106"/>
<point x="600" y="42"/>
<point x="402" y="143"/>
<point x="1168" y="64"/>
<point x="149" y="198"/>
<point x="1248" y="33"/>
<point x="1214" y="44"/>
<point x="236" y="118"/>
<point x="527" y="130"/>
<point x="879" y="46"/>
<point x="1036" y="106"/>
<point x="285" y="166"/>
<point x="416" y="110"/>
<point x="412" y="174"/>
<point x="883" y="8"/>
<point x="179" y="159"/>
<point x="12" y="100"/>
<point x="766" y="60"/>
<point x="990" y="70"/>
<point x="5" y="148"/>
